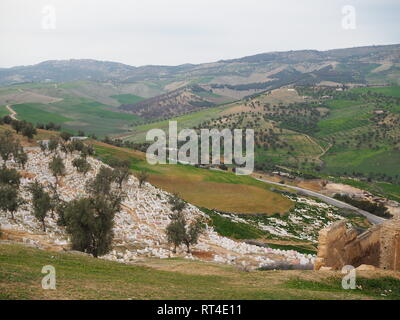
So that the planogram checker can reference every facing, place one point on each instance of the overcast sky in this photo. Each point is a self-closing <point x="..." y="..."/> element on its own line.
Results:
<point x="172" y="32"/>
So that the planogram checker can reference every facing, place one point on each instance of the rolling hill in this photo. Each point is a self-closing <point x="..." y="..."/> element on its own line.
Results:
<point x="175" y="103"/>
<point x="248" y="75"/>
<point x="302" y="104"/>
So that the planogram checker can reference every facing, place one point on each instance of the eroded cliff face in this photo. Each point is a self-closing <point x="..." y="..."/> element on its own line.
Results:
<point x="379" y="246"/>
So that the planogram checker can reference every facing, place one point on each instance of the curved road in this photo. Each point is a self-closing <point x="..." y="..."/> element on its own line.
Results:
<point x="371" y="217"/>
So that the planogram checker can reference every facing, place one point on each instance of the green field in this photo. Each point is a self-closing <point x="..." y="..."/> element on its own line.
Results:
<point x="363" y="160"/>
<point x="83" y="277"/>
<point x="303" y="149"/>
<point x="33" y="112"/>
<point x="387" y="91"/>
<point x="3" y="111"/>
<point x="344" y="115"/>
<point x="78" y="114"/>
<point x="127" y="98"/>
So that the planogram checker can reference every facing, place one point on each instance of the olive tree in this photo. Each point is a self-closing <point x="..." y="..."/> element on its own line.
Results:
<point x="142" y="177"/>
<point x="10" y="177"/>
<point x="10" y="201"/>
<point x="28" y="130"/>
<point x="81" y="165"/>
<point x="57" y="167"/>
<point x="21" y="157"/>
<point x="52" y="145"/>
<point x="7" y="146"/>
<point x="179" y="230"/>
<point x="41" y="202"/>
<point x="89" y="221"/>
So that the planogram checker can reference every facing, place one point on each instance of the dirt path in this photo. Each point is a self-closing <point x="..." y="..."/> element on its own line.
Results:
<point x="13" y="114"/>
<point x="325" y="151"/>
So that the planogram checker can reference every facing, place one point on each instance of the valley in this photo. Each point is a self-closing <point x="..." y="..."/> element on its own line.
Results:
<point x="327" y="150"/>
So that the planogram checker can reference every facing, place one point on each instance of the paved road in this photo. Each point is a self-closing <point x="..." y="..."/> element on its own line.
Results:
<point x="371" y="217"/>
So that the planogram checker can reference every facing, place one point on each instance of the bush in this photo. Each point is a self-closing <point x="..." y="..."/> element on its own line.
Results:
<point x="376" y="209"/>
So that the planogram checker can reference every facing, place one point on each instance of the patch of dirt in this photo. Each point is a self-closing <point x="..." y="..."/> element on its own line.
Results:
<point x="205" y="255"/>
<point x="333" y="188"/>
<point x="22" y="237"/>
<point x="314" y="185"/>
<point x="187" y="267"/>
<point x="27" y="175"/>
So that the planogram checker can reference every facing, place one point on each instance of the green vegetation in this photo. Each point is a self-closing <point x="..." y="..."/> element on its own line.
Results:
<point x="387" y="91"/>
<point x="180" y="231"/>
<point x="35" y="113"/>
<point x="41" y="202"/>
<point x="127" y="98"/>
<point x="190" y="120"/>
<point x="4" y="111"/>
<point x="83" y="277"/>
<point x="235" y="230"/>
<point x="376" y="209"/>
<point x="378" y="288"/>
<point x="77" y="114"/>
<point x="298" y="248"/>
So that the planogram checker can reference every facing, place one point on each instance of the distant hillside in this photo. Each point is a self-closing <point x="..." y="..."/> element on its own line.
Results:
<point x="372" y="64"/>
<point x="175" y="103"/>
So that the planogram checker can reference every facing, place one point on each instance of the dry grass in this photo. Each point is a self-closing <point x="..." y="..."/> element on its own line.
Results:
<point x="223" y="196"/>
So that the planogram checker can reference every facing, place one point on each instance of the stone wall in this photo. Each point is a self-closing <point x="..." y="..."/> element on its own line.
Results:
<point x="379" y="246"/>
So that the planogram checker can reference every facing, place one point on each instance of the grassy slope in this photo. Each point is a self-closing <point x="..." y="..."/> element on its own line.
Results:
<point x="82" y="277"/>
<point x="77" y="110"/>
<point x="387" y="91"/>
<point x="127" y="98"/>
<point x="33" y="112"/>
<point x="3" y="111"/>
<point x="205" y="188"/>
<point x="346" y="119"/>
<point x="77" y="114"/>
<point x="41" y="135"/>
